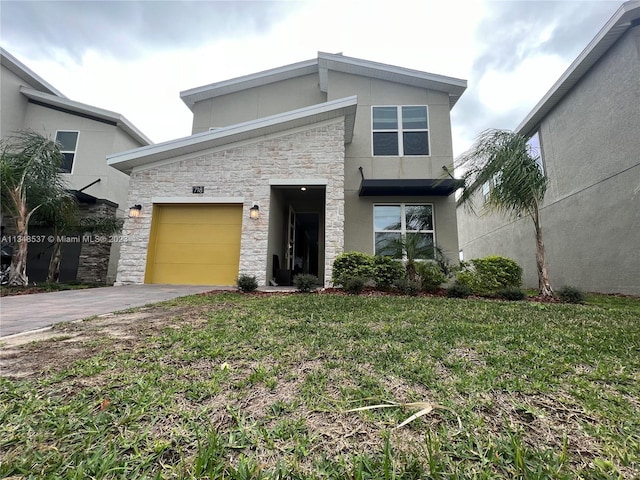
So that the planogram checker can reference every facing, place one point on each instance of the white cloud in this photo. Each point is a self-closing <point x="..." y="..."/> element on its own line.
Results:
<point x="522" y="87"/>
<point x="435" y="36"/>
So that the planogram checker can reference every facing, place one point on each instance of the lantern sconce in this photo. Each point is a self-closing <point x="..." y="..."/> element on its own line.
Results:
<point x="134" y="212"/>
<point x="254" y="212"/>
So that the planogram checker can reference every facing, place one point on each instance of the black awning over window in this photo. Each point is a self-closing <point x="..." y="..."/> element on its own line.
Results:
<point x="409" y="188"/>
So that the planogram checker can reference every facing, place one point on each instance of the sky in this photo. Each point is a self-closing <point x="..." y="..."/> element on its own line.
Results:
<point x="135" y="57"/>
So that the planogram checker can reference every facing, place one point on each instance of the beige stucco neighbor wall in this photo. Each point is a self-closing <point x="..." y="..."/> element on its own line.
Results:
<point x="14" y="105"/>
<point x="243" y="171"/>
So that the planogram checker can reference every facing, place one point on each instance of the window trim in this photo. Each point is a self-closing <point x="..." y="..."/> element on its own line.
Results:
<point x="403" y="220"/>
<point x="401" y="130"/>
<point x="75" y="152"/>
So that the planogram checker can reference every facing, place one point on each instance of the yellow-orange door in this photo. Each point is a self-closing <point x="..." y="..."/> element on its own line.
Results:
<point x="194" y="244"/>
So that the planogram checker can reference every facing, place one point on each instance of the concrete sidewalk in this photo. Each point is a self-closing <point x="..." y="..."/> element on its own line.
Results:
<point x="23" y="313"/>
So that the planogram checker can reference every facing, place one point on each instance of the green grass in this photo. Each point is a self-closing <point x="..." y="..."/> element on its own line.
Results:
<point x="236" y="386"/>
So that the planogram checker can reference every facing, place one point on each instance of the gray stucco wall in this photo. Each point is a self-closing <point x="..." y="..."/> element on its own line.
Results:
<point x="257" y="102"/>
<point x="244" y="171"/>
<point x="359" y="210"/>
<point x="591" y="213"/>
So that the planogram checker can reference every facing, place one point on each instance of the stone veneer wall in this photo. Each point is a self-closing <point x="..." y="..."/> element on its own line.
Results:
<point x="243" y="171"/>
<point x="93" y="263"/>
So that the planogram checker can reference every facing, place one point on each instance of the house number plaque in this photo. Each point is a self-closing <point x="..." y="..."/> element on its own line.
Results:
<point x="197" y="189"/>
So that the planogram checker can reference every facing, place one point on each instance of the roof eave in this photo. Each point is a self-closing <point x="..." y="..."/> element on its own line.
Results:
<point x="85" y="109"/>
<point x="192" y="96"/>
<point x="454" y="87"/>
<point x="26" y="74"/>
<point x="346" y="107"/>
<point x="617" y="25"/>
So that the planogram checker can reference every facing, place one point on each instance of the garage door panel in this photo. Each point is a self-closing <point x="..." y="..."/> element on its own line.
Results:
<point x="215" y="254"/>
<point x="198" y="234"/>
<point x="201" y="214"/>
<point x="195" y="274"/>
<point x="194" y="244"/>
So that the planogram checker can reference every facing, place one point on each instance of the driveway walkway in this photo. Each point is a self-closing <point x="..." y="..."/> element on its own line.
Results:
<point x="23" y="313"/>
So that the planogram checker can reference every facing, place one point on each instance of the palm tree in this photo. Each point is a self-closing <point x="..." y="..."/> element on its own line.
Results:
<point x="30" y="169"/>
<point x="503" y="160"/>
<point x="410" y="247"/>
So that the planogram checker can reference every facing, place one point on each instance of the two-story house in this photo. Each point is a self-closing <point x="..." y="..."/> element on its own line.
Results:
<point x="289" y="167"/>
<point x="587" y="129"/>
<point x="87" y="134"/>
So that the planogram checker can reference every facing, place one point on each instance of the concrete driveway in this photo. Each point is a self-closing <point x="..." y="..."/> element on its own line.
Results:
<point x="23" y="313"/>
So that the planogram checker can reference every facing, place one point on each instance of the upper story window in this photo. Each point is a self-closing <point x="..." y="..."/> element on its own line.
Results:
<point x="68" y="141"/>
<point x="397" y="227"/>
<point x="400" y="130"/>
<point x="536" y="149"/>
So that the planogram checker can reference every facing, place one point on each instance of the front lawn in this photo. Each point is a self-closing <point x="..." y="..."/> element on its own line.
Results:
<point x="258" y="386"/>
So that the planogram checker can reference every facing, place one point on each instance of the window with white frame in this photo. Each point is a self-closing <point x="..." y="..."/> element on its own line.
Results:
<point x="398" y="227"/>
<point x="400" y="130"/>
<point x="68" y="141"/>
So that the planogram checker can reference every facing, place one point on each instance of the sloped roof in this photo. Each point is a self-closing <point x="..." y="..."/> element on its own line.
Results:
<point x="343" y="107"/>
<point x="190" y="97"/>
<point x="40" y="91"/>
<point x="455" y="87"/>
<point x="321" y="65"/>
<point x="625" y="17"/>
<point x="82" y="109"/>
<point x="25" y="73"/>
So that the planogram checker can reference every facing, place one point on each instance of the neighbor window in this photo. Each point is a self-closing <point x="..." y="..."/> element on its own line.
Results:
<point x="400" y="130"/>
<point x="398" y="227"/>
<point x="68" y="141"/>
<point x="536" y="149"/>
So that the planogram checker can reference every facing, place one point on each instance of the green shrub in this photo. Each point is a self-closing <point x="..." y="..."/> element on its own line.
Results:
<point x="488" y="275"/>
<point x="571" y="295"/>
<point x="459" y="290"/>
<point x="511" y="294"/>
<point x="387" y="270"/>
<point x="354" y="285"/>
<point x="247" y="283"/>
<point x="431" y="275"/>
<point x="408" y="287"/>
<point x="305" y="282"/>
<point x="350" y="265"/>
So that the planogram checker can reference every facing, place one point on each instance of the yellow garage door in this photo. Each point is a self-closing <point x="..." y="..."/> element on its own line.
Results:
<point x="194" y="244"/>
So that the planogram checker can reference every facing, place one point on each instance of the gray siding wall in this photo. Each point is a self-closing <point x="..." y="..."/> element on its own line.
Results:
<point x="591" y="214"/>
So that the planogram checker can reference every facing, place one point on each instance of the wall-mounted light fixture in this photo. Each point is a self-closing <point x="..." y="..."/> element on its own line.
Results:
<point x="254" y="212"/>
<point x="134" y="212"/>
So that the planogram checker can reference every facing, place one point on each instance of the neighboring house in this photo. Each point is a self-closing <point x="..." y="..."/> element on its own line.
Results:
<point x="288" y="168"/>
<point x="588" y="130"/>
<point x="87" y="135"/>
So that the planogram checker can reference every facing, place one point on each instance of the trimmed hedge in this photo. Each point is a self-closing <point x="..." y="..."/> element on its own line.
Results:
<point x="247" y="283"/>
<point x="488" y="275"/>
<point x="351" y="265"/>
<point x="387" y="271"/>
